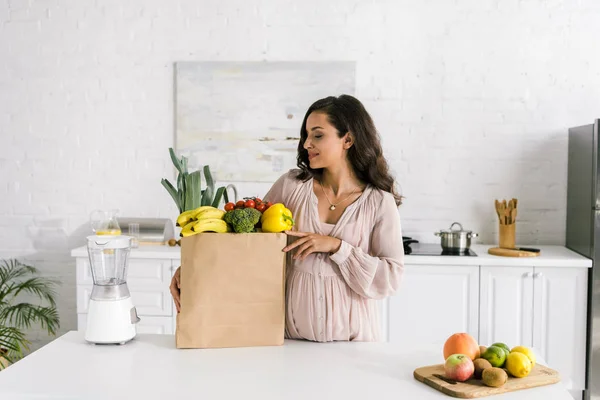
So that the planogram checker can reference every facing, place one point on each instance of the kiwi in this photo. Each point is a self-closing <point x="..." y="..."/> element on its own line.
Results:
<point x="480" y="365"/>
<point x="494" y="377"/>
<point x="173" y="242"/>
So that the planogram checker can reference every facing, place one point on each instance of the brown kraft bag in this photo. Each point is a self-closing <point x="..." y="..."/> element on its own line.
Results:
<point x="232" y="290"/>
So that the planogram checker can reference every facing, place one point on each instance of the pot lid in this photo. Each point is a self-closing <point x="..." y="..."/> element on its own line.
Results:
<point x="461" y="230"/>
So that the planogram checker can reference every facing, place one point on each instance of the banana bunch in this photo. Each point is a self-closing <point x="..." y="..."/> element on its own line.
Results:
<point x="187" y="216"/>
<point x="202" y="219"/>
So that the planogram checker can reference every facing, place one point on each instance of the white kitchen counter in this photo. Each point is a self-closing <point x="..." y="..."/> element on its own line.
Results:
<point x="150" y="367"/>
<point x="550" y="256"/>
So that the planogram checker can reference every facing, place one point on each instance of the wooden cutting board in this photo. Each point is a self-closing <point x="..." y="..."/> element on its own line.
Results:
<point x="498" y="251"/>
<point x="433" y="376"/>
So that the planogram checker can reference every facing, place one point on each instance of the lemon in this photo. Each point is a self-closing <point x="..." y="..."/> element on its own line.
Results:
<point x="527" y="351"/>
<point x="110" y="232"/>
<point x="518" y="364"/>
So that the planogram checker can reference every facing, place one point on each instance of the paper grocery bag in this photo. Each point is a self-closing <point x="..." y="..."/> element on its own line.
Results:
<point x="232" y="290"/>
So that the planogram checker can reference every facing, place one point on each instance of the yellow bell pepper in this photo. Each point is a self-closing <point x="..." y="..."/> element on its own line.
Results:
<point x="276" y="218"/>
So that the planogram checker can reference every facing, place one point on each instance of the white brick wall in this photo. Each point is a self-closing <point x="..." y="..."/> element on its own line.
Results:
<point x="472" y="98"/>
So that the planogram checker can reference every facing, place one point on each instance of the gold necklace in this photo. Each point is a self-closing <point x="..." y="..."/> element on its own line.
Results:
<point x="331" y="205"/>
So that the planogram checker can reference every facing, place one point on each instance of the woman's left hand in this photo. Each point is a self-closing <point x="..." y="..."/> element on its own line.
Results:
<point x="312" y="243"/>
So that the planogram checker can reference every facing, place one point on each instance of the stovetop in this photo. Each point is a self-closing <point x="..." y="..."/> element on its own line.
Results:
<point x="414" y="248"/>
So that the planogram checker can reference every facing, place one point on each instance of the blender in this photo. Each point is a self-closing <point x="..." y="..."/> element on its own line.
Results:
<point x="111" y="313"/>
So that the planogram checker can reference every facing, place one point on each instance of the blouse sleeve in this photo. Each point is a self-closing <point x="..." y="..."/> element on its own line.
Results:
<point x="378" y="274"/>
<point x="279" y="190"/>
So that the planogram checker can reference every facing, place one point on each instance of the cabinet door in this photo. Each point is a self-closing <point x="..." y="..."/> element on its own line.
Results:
<point x="506" y="306"/>
<point x="432" y="303"/>
<point x="559" y="321"/>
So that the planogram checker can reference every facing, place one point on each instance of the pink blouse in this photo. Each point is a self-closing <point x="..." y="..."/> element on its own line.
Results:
<point x="334" y="297"/>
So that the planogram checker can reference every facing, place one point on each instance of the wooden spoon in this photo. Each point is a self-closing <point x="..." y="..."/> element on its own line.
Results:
<point x="498" y="210"/>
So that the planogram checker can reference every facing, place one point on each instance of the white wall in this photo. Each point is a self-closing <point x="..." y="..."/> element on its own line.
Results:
<point x="472" y="97"/>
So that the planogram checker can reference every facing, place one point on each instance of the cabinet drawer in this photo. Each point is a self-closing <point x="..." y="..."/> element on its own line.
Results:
<point x="147" y="301"/>
<point x="157" y="325"/>
<point x="140" y="272"/>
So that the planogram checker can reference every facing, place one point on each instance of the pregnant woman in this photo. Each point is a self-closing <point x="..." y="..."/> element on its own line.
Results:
<point x="347" y="251"/>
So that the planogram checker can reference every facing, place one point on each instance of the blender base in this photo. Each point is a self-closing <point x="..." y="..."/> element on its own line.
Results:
<point x="111" y="321"/>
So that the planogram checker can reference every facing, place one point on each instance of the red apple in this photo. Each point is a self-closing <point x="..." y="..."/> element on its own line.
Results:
<point x="459" y="367"/>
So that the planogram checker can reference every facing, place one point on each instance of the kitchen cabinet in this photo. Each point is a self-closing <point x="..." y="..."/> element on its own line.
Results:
<point x="434" y="301"/>
<point x="539" y="307"/>
<point x="559" y="320"/>
<point x="506" y="306"/>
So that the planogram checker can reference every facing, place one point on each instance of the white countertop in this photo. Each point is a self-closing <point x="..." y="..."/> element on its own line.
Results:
<point x="150" y="367"/>
<point x="550" y="256"/>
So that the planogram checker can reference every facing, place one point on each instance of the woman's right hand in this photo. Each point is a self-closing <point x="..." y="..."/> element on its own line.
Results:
<point x="175" y="288"/>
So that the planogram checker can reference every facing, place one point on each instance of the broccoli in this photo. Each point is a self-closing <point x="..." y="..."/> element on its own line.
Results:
<point x="242" y="220"/>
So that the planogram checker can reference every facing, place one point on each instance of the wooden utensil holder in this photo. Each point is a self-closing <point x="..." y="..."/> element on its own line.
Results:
<point x="507" y="236"/>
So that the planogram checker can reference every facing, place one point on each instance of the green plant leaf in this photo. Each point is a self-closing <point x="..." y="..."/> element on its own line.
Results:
<point x="193" y="190"/>
<point x="43" y="288"/>
<point x="225" y="196"/>
<point x="210" y="183"/>
<point x="184" y="164"/>
<point x="181" y="189"/>
<point x="207" y="196"/>
<point x="23" y="315"/>
<point x="187" y="199"/>
<point x="220" y="192"/>
<point x="13" y="341"/>
<point x="18" y="278"/>
<point x="9" y="338"/>
<point x="173" y="192"/>
<point x="13" y="269"/>
<point x="175" y="160"/>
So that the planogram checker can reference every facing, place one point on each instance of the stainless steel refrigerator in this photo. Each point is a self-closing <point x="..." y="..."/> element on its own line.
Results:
<point x="583" y="233"/>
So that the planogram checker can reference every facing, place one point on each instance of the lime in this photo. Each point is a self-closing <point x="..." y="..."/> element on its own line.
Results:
<point x="495" y="355"/>
<point x="503" y="346"/>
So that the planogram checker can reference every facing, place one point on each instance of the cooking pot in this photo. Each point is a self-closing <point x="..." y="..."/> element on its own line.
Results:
<point x="456" y="240"/>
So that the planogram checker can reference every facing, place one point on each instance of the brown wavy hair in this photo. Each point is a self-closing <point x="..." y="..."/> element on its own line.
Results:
<point x="347" y="114"/>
